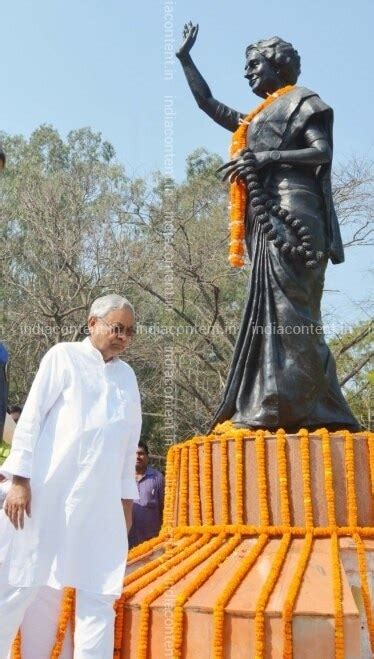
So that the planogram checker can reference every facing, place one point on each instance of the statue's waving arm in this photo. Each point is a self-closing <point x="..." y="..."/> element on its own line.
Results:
<point x="220" y="113"/>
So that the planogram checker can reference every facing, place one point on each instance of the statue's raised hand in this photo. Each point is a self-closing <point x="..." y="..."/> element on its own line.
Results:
<point x="190" y="33"/>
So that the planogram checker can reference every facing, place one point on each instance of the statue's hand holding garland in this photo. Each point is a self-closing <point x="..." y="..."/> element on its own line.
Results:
<point x="239" y="168"/>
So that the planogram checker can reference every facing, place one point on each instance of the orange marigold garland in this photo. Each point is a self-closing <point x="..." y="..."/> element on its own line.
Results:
<point x="183" y="488"/>
<point x="16" y="652"/>
<point x="195" y="484"/>
<point x="329" y="485"/>
<point x="305" y="470"/>
<point x="350" y="476"/>
<point x="185" y="552"/>
<point x="239" y="480"/>
<point x="261" y="478"/>
<point x="224" y="482"/>
<point x="208" y="498"/>
<point x="196" y="583"/>
<point x="168" y="519"/>
<point x="292" y="594"/>
<point x="238" y="191"/>
<point x="66" y="610"/>
<point x="146" y="546"/>
<point x="337" y="596"/>
<point x="365" y="590"/>
<point x="283" y="478"/>
<point x="230" y="588"/>
<point x="171" y="551"/>
<point x="265" y="593"/>
<point x="67" y="606"/>
<point x="203" y="552"/>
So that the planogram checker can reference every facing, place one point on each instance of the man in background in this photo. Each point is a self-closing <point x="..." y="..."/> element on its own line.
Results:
<point x="147" y="511"/>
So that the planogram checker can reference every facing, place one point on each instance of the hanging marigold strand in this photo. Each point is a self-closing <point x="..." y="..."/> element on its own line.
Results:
<point x="171" y="551"/>
<point x="305" y="470"/>
<point x="16" y="647"/>
<point x="239" y="480"/>
<point x="67" y="606"/>
<point x="195" y="484"/>
<point x="283" y="478"/>
<point x="214" y="562"/>
<point x="224" y="482"/>
<point x="329" y="485"/>
<point x="168" y="520"/>
<point x="238" y="191"/>
<point x="337" y="596"/>
<point x="292" y="594"/>
<point x="119" y="609"/>
<point x="146" y="546"/>
<point x="208" y="498"/>
<point x="234" y="582"/>
<point x="365" y="590"/>
<point x="261" y="478"/>
<point x="350" y="475"/>
<point x="185" y="552"/>
<point x="203" y="552"/>
<point x="265" y="593"/>
<point x="183" y="488"/>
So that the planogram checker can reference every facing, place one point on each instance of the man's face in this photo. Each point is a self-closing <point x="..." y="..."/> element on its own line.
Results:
<point x="141" y="459"/>
<point x="262" y="78"/>
<point x="113" y="333"/>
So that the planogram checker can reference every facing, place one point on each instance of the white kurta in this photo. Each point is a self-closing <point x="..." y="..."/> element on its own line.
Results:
<point x="76" y="439"/>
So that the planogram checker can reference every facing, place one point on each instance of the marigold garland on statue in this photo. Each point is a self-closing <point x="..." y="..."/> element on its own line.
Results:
<point x="238" y="192"/>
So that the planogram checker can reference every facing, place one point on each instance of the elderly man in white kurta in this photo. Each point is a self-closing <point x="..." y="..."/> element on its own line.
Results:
<point x="72" y="462"/>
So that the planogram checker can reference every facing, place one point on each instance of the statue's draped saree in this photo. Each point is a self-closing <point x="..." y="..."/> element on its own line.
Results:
<point x="282" y="373"/>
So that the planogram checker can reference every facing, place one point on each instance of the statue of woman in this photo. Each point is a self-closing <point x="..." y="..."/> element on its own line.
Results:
<point x="282" y="373"/>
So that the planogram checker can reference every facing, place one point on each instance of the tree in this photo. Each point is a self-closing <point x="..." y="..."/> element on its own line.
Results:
<point x="75" y="226"/>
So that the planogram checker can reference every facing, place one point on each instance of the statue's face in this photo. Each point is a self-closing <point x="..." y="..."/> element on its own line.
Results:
<point x="262" y="78"/>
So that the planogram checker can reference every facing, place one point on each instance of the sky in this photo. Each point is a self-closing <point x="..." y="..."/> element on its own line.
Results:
<point x="106" y="64"/>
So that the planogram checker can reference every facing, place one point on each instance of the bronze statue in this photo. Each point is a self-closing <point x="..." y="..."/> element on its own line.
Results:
<point x="282" y="373"/>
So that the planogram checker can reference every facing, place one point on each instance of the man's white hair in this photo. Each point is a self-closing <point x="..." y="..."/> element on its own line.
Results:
<point x="107" y="303"/>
